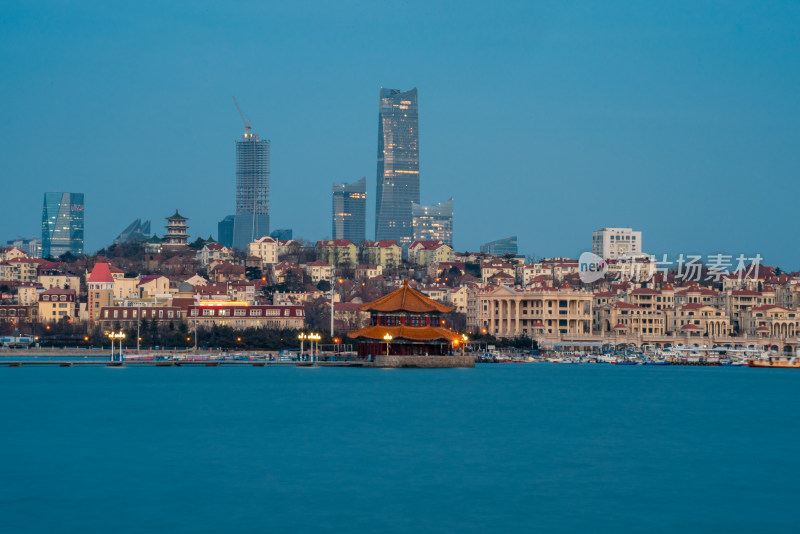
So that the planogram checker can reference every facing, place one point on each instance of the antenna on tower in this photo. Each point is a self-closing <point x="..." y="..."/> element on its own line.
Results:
<point x="245" y="122"/>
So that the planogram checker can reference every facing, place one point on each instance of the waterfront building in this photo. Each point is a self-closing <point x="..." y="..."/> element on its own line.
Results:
<point x="398" y="165"/>
<point x="433" y="223"/>
<point x="412" y="320"/>
<point x="614" y="243"/>
<point x="251" y="219"/>
<point x="773" y="321"/>
<point x="16" y="314"/>
<point x="698" y="319"/>
<point x="239" y="315"/>
<point x="625" y="318"/>
<point x="62" y="224"/>
<point x="57" y="304"/>
<point x="127" y="316"/>
<point x="350" y="211"/>
<point x="176" y="231"/>
<point x="547" y="311"/>
<point x="501" y="247"/>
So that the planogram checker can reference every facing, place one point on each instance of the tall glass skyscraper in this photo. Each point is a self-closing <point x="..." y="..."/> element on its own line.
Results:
<point x="350" y="211"/>
<point x="62" y="224"/>
<point x="501" y="246"/>
<point x="398" y="165"/>
<point x="433" y="223"/>
<point x="251" y="219"/>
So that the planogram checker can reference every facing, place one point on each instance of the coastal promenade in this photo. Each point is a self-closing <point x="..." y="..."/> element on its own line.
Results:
<point x="638" y="341"/>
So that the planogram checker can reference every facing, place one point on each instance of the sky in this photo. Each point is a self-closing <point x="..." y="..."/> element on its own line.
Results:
<point x="547" y="120"/>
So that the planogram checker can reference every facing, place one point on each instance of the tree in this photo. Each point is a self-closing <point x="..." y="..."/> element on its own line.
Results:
<point x="68" y="257"/>
<point x="253" y="273"/>
<point x="324" y="285"/>
<point x="197" y="244"/>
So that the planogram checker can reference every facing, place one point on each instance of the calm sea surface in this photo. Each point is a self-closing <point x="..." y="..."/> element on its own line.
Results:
<point x="499" y="448"/>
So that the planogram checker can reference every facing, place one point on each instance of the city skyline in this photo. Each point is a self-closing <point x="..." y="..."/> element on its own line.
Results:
<point x="62" y="224"/>
<point x="398" y="177"/>
<point x="701" y="107"/>
<point x="349" y="217"/>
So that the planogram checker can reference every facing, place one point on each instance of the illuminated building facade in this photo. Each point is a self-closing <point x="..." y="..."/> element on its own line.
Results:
<point x="62" y="224"/>
<point x="433" y="223"/>
<point x="350" y="211"/>
<point x="398" y="165"/>
<point x="251" y="219"/>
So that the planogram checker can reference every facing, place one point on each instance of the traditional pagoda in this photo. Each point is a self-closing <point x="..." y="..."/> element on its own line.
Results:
<point x="412" y="320"/>
<point x="176" y="231"/>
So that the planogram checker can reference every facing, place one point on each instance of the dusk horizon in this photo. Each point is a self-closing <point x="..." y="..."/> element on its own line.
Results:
<point x="545" y="122"/>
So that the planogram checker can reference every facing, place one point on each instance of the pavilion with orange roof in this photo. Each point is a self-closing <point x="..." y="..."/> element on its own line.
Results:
<point x="414" y="322"/>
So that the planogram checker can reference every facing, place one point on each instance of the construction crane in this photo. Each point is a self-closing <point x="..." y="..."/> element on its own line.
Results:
<point x="245" y="122"/>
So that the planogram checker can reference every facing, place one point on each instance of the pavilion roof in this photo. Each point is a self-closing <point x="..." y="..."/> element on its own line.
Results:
<point x="413" y="333"/>
<point x="406" y="299"/>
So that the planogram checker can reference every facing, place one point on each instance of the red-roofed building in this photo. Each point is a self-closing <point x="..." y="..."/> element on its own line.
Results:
<point x="426" y="253"/>
<point x="405" y="322"/>
<point x="100" y="288"/>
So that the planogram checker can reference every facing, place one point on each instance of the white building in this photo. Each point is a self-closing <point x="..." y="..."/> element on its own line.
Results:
<point x="613" y="243"/>
<point x="265" y="248"/>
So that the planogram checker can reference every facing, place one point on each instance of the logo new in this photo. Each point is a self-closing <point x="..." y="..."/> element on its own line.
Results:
<point x="591" y="267"/>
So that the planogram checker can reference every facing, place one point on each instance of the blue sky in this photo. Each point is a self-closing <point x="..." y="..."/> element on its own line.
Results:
<point x="543" y="119"/>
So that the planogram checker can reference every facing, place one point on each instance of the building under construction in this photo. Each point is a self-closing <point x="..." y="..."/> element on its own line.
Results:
<point x="251" y="219"/>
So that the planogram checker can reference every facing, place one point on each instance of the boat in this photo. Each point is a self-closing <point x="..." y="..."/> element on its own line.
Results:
<point x="776" y="362"/>
<point x="657" y="362"/>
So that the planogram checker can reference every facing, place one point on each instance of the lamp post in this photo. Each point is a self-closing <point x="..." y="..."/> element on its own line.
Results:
<point x="315" y="343"/>
<point x="388" y="338"/>
<point x="302" y="338"/>
<point x="116" y="335"/>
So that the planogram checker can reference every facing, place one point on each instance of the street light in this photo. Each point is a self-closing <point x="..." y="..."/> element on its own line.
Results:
<point x="302" y="337"/>
<point x="116" y="335"/>
<point x="314" y="339"/>
<point x="388" y="338"/>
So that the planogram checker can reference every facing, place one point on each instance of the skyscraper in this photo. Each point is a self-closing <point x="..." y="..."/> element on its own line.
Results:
<point x="350" y="211"/>
<point x="398" y="165"/>
<point x="433" y="223"/>
<point x="251" y="220"/>
<point x="62" y="224"/>
<point x="501" y="246"/>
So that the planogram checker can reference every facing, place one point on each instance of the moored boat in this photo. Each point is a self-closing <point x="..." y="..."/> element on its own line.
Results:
<point x="774" y="362"/>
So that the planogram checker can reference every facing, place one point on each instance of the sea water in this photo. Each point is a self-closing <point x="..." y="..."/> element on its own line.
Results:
<point x="498" y="448"/>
